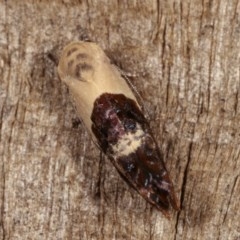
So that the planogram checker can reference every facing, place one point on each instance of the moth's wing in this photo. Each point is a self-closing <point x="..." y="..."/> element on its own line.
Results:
<point x="125" y="137"/>
<point x="146" y="173"/>
<point x="143" y="167"/>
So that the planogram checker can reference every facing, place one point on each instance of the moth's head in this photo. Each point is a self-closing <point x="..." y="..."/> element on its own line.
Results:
<point x="79" y="61"/>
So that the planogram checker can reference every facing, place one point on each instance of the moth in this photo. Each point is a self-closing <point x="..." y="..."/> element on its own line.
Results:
<point x="113" y="116"/>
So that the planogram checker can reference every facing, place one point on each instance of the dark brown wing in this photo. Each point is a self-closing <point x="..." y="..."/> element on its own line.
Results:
<point x="124" y="136"/>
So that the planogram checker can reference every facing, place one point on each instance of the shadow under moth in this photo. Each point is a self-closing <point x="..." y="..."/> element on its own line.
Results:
<point x="113" y="116"/>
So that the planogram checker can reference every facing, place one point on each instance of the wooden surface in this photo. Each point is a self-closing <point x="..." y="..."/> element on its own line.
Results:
<point x="184" y="59"/>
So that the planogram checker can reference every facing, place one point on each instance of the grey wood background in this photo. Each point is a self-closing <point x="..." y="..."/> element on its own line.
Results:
<point x="184" y="58"/>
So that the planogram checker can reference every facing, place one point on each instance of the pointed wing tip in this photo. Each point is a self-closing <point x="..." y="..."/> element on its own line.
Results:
<point x="165" y="202"/>
<point x="167" y="212"/>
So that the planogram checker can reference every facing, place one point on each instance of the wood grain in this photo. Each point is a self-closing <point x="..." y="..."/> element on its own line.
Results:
<point x="183" y="57"/>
